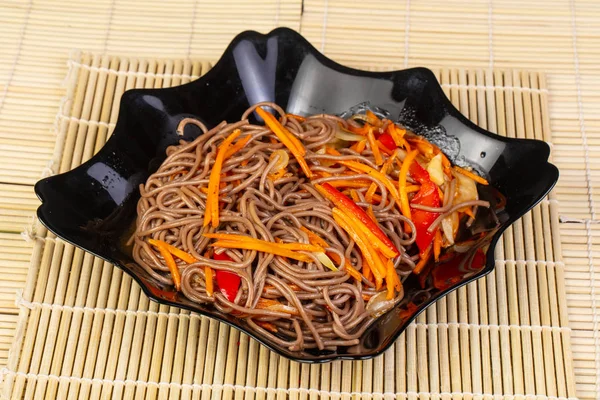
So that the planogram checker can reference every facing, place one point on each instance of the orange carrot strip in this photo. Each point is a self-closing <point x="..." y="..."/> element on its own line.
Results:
<point x="366" y="271"/>
<point x="350" y="183"/>
<point x="188" y="258"/>
<point x="242" y="238"/>
<point x="267" y="326"/>
<point x="471" y="175"/>
<point x="282" y="133"/>
<point x="371" y="214"/>
<point x="359" y="146"/>
<point x="287" y="138"/>
<point x="211" y="213"/>
<point x="296" y="117"/>
<point x="360" y="167"/>
<point x="423" y="262"/>
<point x="369" y="253"/>
<point x="469" y="212"/>
<point x="370" y="193"/>
<point x="404" y="205"/>
<point x="265" y="247"/>
<point x="237" y="146"/>
<point x="374" y="147"/>
<point x="372" y="118"/>
<point x="390" y="280"/>
<point x="384" y="170"/>
<point x="412" y="188"/>
<point x="208" y="278"/>
<point x="437" y="245"/>
<point x="354" y="196"/>
<point x="170" y="261"/>
<point x="315" y="239"/>
<point x="331" y="151"/>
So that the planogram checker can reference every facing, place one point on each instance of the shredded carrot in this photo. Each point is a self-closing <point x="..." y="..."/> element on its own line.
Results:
<point x="242" y="238"/>
<point x="437" y="245"/>
<point x="211" y="212"/>
<point x="170" y="261"/>
<point x="366" y="297"/>
<point x="237" y="146"/>
<point x="287" y="138"/>
<point x="374" y="147"/>
<point x="331" y="151"/>
<point x="377" y="199"/>
<point x="369" y="253"/>
<point x="282" y="133"/>
<point x="315" y="239"/>
<point x="372" y="118"/>
<point x="360" y="167"/>
<point x="370" y="236"/>
<point x="404" y="205"/>
<point x="413" y="188"/>
<point x="469" y="212"/>
<point x="446" y="165"/>
<point x="351" y="271"/>
<point x="358" y="183"/>
<point x="277" y="175"/>
<point x="366" y="271"/>
<point x="440" y="192"/>
<point x="354" y="196"/>
<point x="265" y="247"/>
<point x="296" y="117"/>
<point x="384" y="170"/>
<point x="188" y="258"/>
<point x="471" y="175"/>
<point x="267" y="325"/>
<point x="359" y="146"/>
<point x="208" y="278"/>
<point x="424" y="147"/>
<point x="423" y="262"/>
<point x="390" y="279"/>
<point x="371" y="214"/>
<point x="370" y="193"/>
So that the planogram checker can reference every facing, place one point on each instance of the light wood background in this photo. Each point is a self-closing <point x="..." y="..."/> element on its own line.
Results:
<point x="559" y="39"/>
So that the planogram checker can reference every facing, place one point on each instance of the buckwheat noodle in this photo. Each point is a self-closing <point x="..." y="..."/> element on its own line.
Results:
<point x="324" y="308"/>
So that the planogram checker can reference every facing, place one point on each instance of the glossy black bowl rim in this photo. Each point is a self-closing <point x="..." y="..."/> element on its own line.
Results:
<point x="551" y="171"/>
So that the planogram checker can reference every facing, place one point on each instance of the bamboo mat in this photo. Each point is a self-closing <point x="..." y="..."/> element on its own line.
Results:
<point x="86" y="331"/>
<point x="559" y="37"/>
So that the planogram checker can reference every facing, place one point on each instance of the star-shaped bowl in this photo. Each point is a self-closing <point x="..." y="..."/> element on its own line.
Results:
<point x="94" y="205"/>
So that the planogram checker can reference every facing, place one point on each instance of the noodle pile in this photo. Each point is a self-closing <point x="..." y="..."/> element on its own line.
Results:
<point x="320" y="299"/>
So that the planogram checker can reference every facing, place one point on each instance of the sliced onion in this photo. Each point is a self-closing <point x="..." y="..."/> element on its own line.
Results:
<point x="466" y="189"/>
<point x="348" y="136"/>
<point x="447" y="229"/>
<point x="325" y="260"/>
<point x="283" y="161"/>
<point x="378" y="304"/>
<point x="435" y="169"/>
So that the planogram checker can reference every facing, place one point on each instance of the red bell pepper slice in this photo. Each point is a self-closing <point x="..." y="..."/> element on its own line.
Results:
<point x="451" y="272"/>
<point x="386" y="140"/>
<point x="427" y="196"/>
<point x="228" y="282"/>
<point x="347" y="205"/>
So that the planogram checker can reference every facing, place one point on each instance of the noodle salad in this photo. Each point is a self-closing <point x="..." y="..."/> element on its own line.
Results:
<point x="304" y="227"/>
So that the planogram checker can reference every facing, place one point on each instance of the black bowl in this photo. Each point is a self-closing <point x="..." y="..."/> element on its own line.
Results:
<point x="93" y="206"/>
